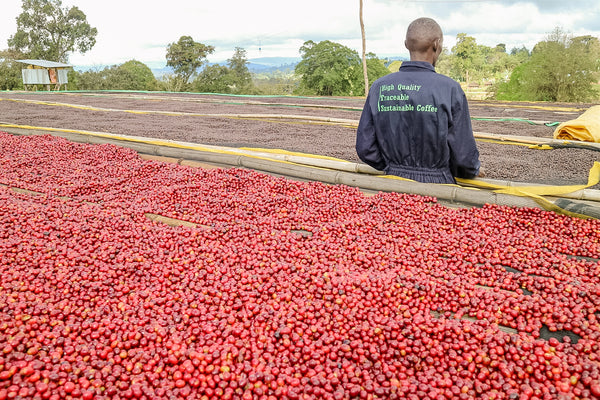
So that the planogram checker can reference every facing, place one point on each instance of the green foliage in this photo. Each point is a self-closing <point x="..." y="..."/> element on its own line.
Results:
<point x="214" y="79"/>
<point x="496" y="60"/>
<point x="511" y="89"/>
<point x="444" y="63"/>
<point x="132" y="75"/>
<point x="394" y="66"/>
<point x="273" y="85"/>
<point x="171" y="83"/>
<point x="234" y="78"/>
<point x="468" y="57"/>
<point x="375" y="67"/>
<point x="48" y="31"/>
<point x="88" y="80"/>
<point x="329" y="69"/>
<point x="280" y="82"/>
<point x="562" y="68"/>
<point x="241" y="78"/>
<point x="473" y="63"/>
<point x="520" y="55"/>
<point x="186" y="56"/>
<point x="10" y="70"/>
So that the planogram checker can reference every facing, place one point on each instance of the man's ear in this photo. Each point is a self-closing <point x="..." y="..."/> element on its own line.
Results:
<point x="436" y="45"/>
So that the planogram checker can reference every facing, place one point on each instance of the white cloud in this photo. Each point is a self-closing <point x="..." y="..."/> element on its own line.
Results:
<point x="8" y="23"/>
<point x="133" y="30"/>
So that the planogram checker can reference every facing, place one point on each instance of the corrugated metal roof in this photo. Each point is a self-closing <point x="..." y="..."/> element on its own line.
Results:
<point x="44" y="63"/>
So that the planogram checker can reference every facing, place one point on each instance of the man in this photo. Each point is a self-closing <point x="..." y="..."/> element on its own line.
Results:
<point x="415" y="122"/>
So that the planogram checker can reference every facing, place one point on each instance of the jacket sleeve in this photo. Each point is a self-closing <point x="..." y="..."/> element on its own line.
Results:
<point x="367" y="147"/>
<point x="464" y="155"/>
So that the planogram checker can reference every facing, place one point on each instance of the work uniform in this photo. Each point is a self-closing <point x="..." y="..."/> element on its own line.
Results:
<point x="416" y="124"/>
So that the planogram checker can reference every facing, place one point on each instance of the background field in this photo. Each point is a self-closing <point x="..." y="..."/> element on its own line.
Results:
<point x="285" y="123"/>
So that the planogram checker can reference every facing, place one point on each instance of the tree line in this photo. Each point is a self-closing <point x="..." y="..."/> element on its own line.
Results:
<point x="560" y="68"/>
<point x="135" y="75"/>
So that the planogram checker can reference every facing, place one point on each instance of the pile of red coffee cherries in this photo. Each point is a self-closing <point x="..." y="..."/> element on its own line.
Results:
<point x="279" y="289"/>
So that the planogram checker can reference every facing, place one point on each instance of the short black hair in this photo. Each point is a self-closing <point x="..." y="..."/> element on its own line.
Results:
<point x="421" y="33"/>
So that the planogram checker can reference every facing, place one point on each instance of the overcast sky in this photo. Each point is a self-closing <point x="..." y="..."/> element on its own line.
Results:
<point x="277" y="28"/>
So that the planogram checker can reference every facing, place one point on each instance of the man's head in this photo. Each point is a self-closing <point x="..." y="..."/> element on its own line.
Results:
<point x="424" y="40"/>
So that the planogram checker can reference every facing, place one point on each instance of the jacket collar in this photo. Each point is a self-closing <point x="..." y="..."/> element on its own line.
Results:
<point x="417" y="64"/>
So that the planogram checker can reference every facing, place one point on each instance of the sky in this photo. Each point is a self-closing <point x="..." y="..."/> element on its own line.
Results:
<point x="277" y="28"/>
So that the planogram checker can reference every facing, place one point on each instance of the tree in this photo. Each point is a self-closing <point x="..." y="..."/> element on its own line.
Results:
<point x="233" y="78"/>
<point x="469" y="62"/>
<point x="87" y="80"/>
<point x="214" y="79"/>
<point x="186" y="56"/>
<point x="132" y="75"/>
<point x="521" y="53"/>
<point x="241" y="78"/>
<point x="445" y="63"/>
<point x="170" y="83"/>
<point x="561" y="68"/>
<point x="279" y="82"/>
<point x="46" y="30"/>
<point x="394" y="66"/>
<point x="498" y="64"/>
<point x="511" y="90"/>
<point x="329" y="69"/>
<point x="468" y="57"/>
<point x="375" y="69"/>
<point x="10" y="70"/>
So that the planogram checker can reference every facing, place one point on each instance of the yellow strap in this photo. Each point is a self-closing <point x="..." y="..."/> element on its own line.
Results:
<point x="593" y="179"/>
<point x="514" y="143"/>
<point x="537" y="192"/>
<point x="541" y="147"/>
<point x="546" y="204"/>
<point x="290" y="153"/>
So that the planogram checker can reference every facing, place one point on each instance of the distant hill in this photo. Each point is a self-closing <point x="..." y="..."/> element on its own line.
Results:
<point x="255" y="65"/>
<point x="261" y="65"/>
<point x="270" y="64"/>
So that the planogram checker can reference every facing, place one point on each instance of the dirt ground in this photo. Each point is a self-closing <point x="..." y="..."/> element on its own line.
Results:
<point x="298" y="124"/>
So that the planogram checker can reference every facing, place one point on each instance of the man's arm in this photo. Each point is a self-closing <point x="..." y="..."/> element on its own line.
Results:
<point x="367" y="146"/>
<point x="464" y="155"/>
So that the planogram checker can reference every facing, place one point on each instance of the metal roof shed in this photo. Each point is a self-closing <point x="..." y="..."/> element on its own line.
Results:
<point x="42" y="72"/>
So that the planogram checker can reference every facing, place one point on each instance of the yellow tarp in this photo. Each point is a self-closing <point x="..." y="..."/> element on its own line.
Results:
<point x="585" y="128"/>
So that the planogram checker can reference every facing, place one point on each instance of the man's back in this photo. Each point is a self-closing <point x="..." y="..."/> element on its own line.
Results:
<point x="416" y="122"/>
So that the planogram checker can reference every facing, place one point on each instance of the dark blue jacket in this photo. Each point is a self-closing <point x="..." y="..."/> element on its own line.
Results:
<point x="416" y="124"/>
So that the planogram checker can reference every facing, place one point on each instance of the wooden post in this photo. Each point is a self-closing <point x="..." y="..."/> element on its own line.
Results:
<point x="364" y="49"/>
